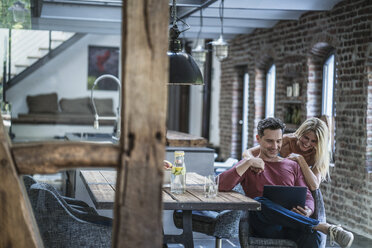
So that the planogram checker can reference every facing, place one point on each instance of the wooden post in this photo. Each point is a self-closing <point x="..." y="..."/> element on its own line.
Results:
<point x="138" y="206"/>
<point x="138" y="203"/>
<point x="18" y="227"/>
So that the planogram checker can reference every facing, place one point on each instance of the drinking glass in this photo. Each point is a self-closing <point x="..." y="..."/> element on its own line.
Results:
<point x="211" y="186"/>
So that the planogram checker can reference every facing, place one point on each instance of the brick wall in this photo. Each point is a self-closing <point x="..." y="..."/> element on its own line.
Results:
<point x="298" y="49"/>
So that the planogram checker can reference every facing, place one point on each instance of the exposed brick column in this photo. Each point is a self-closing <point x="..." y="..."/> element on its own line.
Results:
<point x="259" y="97"/>
<point x="314" y="87"/>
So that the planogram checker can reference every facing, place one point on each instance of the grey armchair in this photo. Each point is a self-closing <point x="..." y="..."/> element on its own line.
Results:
<point x="67" y="201"/>
<point x="248" y="241"/>
<point x="78" y="208"/>
<point x="59" y="228"/>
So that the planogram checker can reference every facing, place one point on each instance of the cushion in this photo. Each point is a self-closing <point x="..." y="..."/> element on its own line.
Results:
<point x="43" y="103"/>
<point x="81" y="105"/>
<point x="104" y="106"/>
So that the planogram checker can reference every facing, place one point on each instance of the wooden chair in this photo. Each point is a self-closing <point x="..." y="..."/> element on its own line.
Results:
<point x="248" y="241"/>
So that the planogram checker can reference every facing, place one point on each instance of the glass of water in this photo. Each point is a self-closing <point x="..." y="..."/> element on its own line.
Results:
<point x="211" y="186"/>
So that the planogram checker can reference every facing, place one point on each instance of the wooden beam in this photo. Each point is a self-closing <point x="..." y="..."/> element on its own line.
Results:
<point x="17" y="225"/>
<point x="138" y="203"/>
<point x="51" y="157"/>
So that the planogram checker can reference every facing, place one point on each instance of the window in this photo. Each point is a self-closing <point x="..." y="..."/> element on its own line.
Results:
<point x="328" y="83"/>
<point x="270" y="92"/>
<point x="245" y="112"/>
<point x="328" y="108"/>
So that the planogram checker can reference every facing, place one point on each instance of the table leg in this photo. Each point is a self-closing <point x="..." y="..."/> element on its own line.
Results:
<point x="186" y="238"/>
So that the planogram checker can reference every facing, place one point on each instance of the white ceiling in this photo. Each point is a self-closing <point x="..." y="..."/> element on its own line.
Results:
<point x="240" y="16"/>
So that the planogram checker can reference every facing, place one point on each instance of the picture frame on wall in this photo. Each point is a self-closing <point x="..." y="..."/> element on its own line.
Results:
<point x="103" y="60"/>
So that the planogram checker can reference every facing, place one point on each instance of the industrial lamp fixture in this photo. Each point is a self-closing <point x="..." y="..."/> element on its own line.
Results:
<point x="199" y="52"/>
<point x="220" y="47"/>
<point x="19" y="11"/>
<point x="183" y="70"/>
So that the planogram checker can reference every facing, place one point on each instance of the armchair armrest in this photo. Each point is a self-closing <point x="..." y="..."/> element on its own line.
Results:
<point x="244" y="229"/>
<point x="227" y="223"/>
<point x="79" y="205"/>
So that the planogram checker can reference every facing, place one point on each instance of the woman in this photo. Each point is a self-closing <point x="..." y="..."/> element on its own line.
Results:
<point x="309" y="147"/>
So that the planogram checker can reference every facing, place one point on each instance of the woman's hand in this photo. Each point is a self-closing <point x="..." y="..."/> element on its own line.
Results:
<point x="303" y="211"/>
<point x="295" y="157"/>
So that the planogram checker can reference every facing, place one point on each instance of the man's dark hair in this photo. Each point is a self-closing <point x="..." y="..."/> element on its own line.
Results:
<point x="269" y="123"/>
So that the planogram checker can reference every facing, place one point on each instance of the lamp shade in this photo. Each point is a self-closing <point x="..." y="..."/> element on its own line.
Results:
<point x="183" y="70"/>
<point x="220" y="48"/>
<point x="19" y="11"/>
<point x="199" y="54"/>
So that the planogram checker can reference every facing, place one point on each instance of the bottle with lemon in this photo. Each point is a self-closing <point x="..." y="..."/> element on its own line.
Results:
<point x="178" y="175"/>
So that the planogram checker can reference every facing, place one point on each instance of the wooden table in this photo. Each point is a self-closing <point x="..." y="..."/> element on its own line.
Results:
<point x="101" y="187"/>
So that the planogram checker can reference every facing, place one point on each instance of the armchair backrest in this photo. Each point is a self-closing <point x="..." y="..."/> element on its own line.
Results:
<point x="59" y="228"/>
<point x="246" y="239"/>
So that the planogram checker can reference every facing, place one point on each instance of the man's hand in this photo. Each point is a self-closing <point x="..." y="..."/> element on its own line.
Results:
<point x="303" y="211"/>
<point x="256" y="165"/>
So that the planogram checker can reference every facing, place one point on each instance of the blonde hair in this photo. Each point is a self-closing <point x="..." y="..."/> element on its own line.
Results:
<point x="322" y="154"/>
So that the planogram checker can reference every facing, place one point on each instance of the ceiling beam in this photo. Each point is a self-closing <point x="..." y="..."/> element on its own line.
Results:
<point x="233" y="22"/>
<point x="255" y="14"/>
<point x="87" y="12"/>
<point x="81" y="26"/>
<point x="187" y="13"/>
<point x="308" y="5"/>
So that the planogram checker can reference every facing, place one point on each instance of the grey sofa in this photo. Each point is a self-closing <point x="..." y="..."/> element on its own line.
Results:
<point x="47" y="109"/>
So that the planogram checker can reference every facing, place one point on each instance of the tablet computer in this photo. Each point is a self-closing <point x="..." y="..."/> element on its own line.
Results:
<point x="286" y="196"/>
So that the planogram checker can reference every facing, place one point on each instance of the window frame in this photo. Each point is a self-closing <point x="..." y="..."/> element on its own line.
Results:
<point x="270" y="74"/>
<point x="333" y="85"/>
<point x="331" y="122"/>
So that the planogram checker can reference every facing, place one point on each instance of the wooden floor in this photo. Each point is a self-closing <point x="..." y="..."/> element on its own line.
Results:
<point x="359" y="242"/>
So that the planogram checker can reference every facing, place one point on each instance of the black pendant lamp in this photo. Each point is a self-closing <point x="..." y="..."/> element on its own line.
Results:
<point x="183" y="69"/>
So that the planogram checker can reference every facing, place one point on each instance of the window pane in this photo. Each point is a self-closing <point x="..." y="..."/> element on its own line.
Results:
<point x="245" y="113"/>
<point x="328" y="82"/>
<point x="270" y="92"/>
<point x="327" y="97"/>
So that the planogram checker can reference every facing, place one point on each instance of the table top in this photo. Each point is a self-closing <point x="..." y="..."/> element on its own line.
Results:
<point x="101" y="188"/>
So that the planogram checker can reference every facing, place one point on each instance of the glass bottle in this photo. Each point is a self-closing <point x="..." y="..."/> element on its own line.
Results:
<point x="178" y="176"/>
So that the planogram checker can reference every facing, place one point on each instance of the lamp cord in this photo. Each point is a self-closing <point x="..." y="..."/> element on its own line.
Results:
<point x="174" y="13"/>
<point x="221" y="15"/>
<point x="175" y="18"/>
<point x="200" y="30"/>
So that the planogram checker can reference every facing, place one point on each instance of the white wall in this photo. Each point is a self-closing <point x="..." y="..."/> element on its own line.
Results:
<point x="196" y="109"/>
<point x="65" y="74"/>
<point x="196" y="106"/>
<point x="3" y="48"/>
<point x="214" y="128"/>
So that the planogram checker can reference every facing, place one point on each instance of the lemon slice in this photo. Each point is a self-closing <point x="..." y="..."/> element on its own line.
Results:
<point x="178" y="170"/>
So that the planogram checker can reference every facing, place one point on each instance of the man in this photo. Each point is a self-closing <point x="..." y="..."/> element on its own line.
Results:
<point x="274" y="221"/>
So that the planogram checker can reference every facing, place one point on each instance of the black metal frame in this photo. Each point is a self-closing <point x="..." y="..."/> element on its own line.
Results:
<point x="186" y="237"/>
